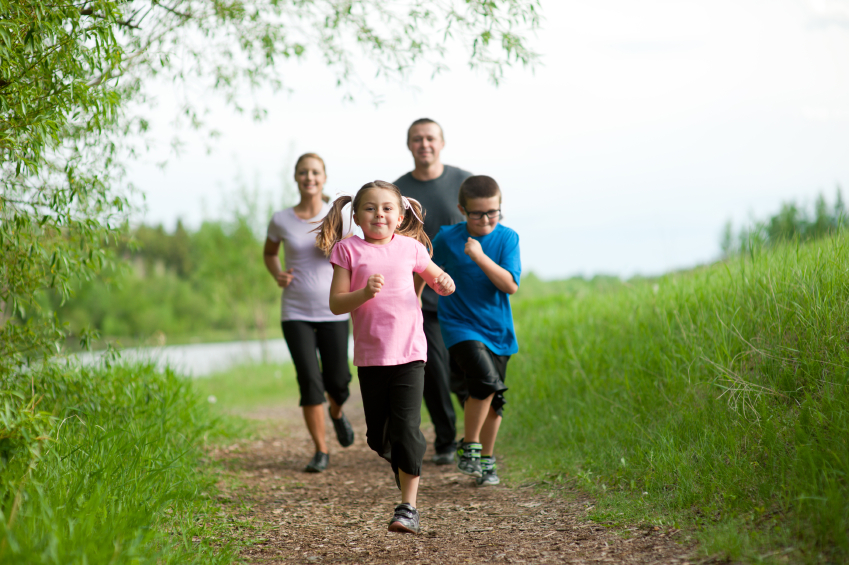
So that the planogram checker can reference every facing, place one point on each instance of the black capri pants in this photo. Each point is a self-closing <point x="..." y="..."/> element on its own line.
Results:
<point x="392" y="402"/>
<point x="483" y="371"/>
<point x="309" y="340"/>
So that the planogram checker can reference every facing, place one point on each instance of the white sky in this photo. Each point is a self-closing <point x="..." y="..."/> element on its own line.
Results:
<point x="650" y="124"/>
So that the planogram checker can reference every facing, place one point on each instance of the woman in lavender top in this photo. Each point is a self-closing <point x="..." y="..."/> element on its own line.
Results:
<point x="310" y="328"/>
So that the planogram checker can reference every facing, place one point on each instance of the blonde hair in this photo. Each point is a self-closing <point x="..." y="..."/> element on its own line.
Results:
<point x="324" y="197"/>
<point x="330" y="229"/>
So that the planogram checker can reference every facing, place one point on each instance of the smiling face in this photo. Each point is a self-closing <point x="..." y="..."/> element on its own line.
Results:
<point x="480" y="207"/>
<point x="378" y="213"/>
<point x="310" y="177"/>
<point x="425" y="143"/>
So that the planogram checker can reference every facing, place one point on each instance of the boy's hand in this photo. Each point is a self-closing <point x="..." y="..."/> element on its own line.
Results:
<point x="373" y="286"/>
<point x="285" y="279"/>
<point x="473" y="249"/>
<point x="443" y="284"/>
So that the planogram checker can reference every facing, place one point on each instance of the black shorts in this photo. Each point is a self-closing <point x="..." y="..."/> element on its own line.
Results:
<point x="392" y="402"/>
<point x="483" y="371"/>
<point x="309" y="340"/>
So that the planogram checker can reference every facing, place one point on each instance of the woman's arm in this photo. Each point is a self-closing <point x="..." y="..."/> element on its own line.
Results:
<point x="500" y="277"/>
<point x="270" y="254"/>
<point x="342" y="299"/>
<point x="437" y="279"/>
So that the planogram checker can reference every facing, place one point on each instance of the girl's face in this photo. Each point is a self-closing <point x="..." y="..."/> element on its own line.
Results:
<point x="379" y="214"/>
<point x="478" y="212"/>
<point x="310" y="177"/>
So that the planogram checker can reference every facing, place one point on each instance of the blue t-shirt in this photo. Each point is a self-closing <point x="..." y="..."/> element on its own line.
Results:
<point x="477" y="310"/>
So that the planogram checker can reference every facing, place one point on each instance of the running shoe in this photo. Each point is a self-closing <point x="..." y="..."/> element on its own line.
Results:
<point x="405" y="520"/>
<point x="469" y="458"/>
<point x="489" y="476"/>
<point x="446" y="458"/>
<point x="318" y="463"/>
<point x="344" y="431"/>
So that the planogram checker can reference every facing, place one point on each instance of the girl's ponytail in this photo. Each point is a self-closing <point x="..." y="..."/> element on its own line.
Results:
<point x="413" y="224"/>
<point x="330" y="230"/>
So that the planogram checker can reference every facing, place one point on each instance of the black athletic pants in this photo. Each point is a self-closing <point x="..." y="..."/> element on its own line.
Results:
<point x="392" y="402"/>
<point x="438" y="386"/>
<point x="308" y="340"/>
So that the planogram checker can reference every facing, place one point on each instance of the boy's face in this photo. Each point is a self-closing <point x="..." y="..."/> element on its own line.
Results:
<point x="484" y="207"/>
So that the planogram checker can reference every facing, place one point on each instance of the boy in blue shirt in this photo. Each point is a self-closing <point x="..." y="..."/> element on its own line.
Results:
<point x="476" y="321"/>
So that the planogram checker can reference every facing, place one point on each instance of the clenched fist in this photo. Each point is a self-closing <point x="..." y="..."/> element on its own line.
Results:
<point x="373" y="286"/>
<point x="473" y="249"/>
<point x="285" y="279"/>
<point x="443" y="285"/>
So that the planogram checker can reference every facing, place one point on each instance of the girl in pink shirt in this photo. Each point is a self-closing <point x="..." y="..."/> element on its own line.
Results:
<point x="373" y="280"/>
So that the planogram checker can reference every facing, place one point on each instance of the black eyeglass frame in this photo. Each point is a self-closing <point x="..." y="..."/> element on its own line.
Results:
<point x="491" y="214"/>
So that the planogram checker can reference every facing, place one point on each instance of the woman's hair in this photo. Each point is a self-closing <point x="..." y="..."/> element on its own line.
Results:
<point x="330" y="229"/>
<point x="478" y="186"/>
<point x="323" y="166"/>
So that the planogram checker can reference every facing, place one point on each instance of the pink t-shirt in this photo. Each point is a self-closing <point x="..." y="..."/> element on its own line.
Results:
<point x="388" y="328"/>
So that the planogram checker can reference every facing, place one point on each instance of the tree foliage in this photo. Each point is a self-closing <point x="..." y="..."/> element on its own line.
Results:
<point x="792" y="222"/>
<point x="69" y="69"/>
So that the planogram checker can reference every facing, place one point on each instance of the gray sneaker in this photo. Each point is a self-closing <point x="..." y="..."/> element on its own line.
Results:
<point x="489" y="476"/>
<point x="405" y="520"/>
<point x="469" y="458"/>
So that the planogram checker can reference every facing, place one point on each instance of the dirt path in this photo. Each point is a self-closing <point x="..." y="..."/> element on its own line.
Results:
<point x="341" y="515"/>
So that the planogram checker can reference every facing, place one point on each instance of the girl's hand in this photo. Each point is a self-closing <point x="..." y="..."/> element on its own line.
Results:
<point x="285" y="279"/>
<point x="473" y="249"/>
<point x="444" y="284"/>
<point x="373" y="286"/>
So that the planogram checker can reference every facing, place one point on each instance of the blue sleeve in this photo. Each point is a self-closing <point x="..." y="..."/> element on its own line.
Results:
<point x="510" y="259"/>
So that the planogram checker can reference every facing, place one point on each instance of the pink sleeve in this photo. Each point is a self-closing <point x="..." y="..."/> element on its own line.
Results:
<point x="341" y="256"/>
<point x="422" y="258"/>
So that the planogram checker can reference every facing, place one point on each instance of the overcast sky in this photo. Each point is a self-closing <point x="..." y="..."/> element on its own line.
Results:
<point x="648" y="126"/>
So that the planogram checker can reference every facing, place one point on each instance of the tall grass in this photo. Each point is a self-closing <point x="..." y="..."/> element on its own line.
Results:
<point x="716" y="398"/>
<point x="105" y="466"/>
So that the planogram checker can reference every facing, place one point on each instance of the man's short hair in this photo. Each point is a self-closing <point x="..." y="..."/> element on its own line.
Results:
<point x="478" y="186"/>
<point x="421" y="121"/>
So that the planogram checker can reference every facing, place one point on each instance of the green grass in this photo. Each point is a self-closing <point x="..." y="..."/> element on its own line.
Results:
<point x="715" y="400"/>
<point x="107" y="466"/>
<point x="250" y="386"/>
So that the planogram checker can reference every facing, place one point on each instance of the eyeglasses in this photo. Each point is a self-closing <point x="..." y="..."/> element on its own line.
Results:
<point x="491" y="214"/>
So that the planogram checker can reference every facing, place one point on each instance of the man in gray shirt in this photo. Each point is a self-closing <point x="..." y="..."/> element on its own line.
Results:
<point x="436" y="187"/>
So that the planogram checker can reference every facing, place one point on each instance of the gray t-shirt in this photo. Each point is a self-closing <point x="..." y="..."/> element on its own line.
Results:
<point x="307" y="298"/>
<point x="439" y="198"/>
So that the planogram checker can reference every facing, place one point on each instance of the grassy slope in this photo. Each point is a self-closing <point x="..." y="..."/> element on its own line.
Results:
<point x="716" y="397"/>
<point x="106" y="466"/>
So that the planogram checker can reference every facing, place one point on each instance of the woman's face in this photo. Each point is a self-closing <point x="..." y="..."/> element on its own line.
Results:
<point x="310" y="177"/>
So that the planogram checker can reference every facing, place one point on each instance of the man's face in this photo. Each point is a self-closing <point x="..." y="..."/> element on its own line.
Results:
<point x="425" y="143"/>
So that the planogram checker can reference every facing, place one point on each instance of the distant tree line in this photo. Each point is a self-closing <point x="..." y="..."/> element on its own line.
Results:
<point x="792" y="222"/>
<point x="179" y="284"/>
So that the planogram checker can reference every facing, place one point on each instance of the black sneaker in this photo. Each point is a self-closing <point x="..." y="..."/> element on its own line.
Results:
<point x="469" y="458"/>
<point x="405" y="520"/>
<point x="344" y="431"/>
<point x="489" y="476"/>
<point x="446" y="458"/>
<point x="318" y="463"/>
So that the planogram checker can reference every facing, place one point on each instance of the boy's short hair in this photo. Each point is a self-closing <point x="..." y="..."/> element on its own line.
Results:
<point x="478" y="186"/>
